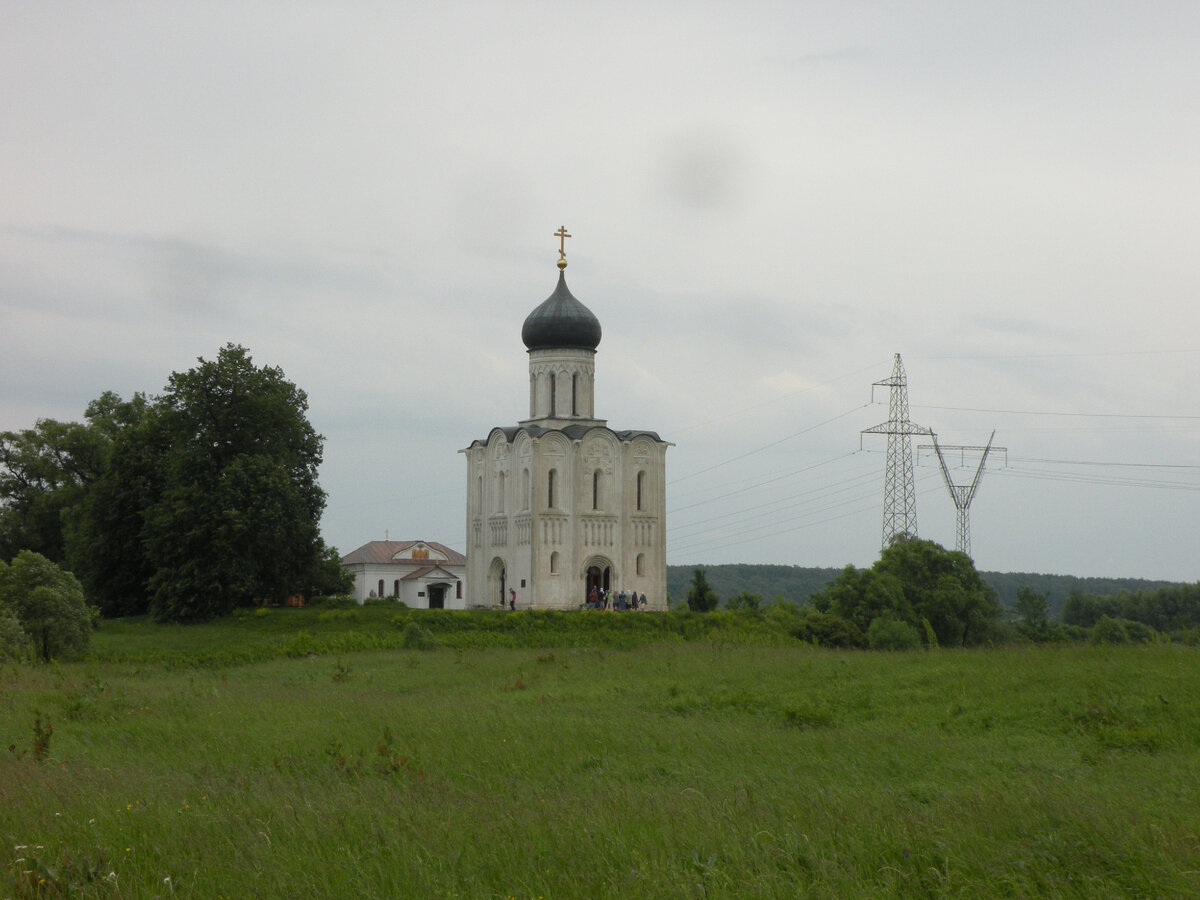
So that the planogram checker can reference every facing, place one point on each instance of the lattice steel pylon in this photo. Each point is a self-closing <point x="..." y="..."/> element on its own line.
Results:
<point x="899" y="490"/>
<point x="962" y="495"/>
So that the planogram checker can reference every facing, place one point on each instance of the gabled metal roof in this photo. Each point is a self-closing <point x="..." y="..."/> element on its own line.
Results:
<point x="382" y="553"/>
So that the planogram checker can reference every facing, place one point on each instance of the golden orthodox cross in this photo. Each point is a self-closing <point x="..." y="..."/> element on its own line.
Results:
<point x="562" y="236"/>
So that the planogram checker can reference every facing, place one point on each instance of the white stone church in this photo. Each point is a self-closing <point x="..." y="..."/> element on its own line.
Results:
<point x="561" y="503"/>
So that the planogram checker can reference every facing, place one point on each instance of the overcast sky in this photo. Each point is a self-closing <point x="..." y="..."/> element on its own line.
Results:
<point x="767" y="202"/>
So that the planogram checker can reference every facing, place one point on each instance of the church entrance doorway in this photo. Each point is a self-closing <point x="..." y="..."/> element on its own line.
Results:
<point x="437" y="596"/>
<point x="598" y="576"/>
<point x="498" y="583"/>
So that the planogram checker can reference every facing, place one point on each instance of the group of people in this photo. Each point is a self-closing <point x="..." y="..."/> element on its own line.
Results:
<point x="625" y="601"/>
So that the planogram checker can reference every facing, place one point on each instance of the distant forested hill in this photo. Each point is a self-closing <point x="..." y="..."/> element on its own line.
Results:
<point x="1057" y="587"/>
<point x="769" y="582"/>
<point x="798" y="583"/>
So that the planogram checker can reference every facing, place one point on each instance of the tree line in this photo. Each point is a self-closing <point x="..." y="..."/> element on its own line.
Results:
<point x="799" y="583"/>
<point x="918" y="593"/>
<point x="1166" y="609"/>
<point x="184" y="505"/>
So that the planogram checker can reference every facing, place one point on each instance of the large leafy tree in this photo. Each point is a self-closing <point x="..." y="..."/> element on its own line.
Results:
<point x="48" y="604"/>
<point x="46" y="472"/>
<point x="917" y="582"/>
<point x="863" y="596"/>
<point x="187" y="505"/>
<point x="237" y="519"/>
<point x="43" y="473"/>
<point x="105" y="545"/>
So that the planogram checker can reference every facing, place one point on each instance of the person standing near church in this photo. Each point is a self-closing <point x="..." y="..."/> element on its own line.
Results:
<point x="512" y="599"/>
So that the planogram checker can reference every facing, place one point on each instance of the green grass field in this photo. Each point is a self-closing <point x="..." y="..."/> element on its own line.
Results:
<point x="681" y="768"/>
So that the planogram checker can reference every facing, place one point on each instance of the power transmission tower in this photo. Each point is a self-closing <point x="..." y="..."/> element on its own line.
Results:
<point x="899" y="491"/>
<point x="962" y="495"/>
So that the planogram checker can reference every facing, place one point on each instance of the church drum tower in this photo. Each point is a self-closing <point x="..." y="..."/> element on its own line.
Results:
<point x="560" y="502"/>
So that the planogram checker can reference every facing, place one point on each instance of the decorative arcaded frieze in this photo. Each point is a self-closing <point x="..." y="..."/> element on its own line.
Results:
<point x="644" y="531"/>
<point x="498" y="528"/>
<point x="599" y="531"/>
<point x="553" y="530"/>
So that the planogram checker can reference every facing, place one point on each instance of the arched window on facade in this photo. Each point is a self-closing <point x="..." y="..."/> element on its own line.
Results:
<point x="380" y="594"/>
<point x="641" y="563"/>
<point x="596" y="489"/>
<point x="553" y="386"/>
<point x="458" y="589"/>
<point x="500" y="493"/>
<point x="550" y="488"/>
<point x="554" y="563"/>
<point x="479" y="495"/>
<point x="641" y="488"/>
<point x="396" y="588"/>
<point x="525" y="490"/>
<point x="575" y="393"/>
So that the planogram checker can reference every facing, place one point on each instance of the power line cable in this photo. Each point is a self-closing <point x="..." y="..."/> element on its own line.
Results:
<point x="725" y="541"/>
<point x="741" y="411"/>
<point x="767" y="446"/>
<point x="1028" y="412"/>
<point x="759" y="484"/>
<point x="756" y="511"/>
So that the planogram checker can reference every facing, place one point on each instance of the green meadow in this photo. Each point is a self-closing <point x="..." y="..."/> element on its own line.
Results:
<point x="592" y="755"/>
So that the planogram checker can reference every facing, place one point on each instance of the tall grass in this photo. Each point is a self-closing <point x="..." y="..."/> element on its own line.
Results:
<point x="681" y="769"/>
<point x="264" y="634"/>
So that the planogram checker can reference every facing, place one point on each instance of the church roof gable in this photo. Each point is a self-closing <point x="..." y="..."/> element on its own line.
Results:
<point x="427" y="571"/>
<point x="574" y="432"/>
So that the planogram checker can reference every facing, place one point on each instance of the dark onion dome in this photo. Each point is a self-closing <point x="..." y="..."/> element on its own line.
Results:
<point x="561" y="322"/>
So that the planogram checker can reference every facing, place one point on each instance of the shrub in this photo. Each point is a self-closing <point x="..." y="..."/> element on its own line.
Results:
<point x="1122" y="631"/>
<point x="931" y="638"/>
<point x="1109" y="631"/>
<point x="1139" y="633"/>
<point x="337" y="615"/>
<point x="1076" y="633"/>
<point x="14" y="642"/>
<point x="334" y="601"/>
<point x="886" y="633"/>
<point x="744" y="601"/>
<point x="828" y="630"/>
<point x="414" y="637"/>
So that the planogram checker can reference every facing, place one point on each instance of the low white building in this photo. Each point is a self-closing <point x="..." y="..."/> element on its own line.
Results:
<point x="419" y="574"/>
